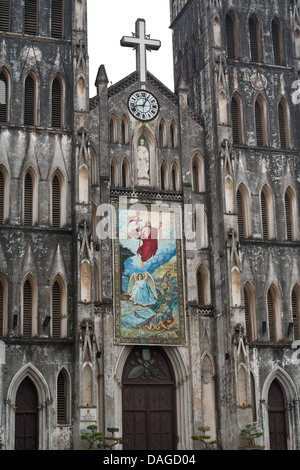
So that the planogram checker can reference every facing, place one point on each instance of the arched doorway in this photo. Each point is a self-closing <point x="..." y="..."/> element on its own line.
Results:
<point x="26" y="417"/>
<point x="277" y="417"/>
<point x="148" y="401"/>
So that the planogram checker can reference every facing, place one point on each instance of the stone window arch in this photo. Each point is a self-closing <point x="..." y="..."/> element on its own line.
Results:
<point x="164" y="176"/>
<point x="250" y="311"/>
<point x="94" y="166"/>
<point x="113" y="134"/>
<point x="125" y="173"/>
<point x="173" y="134"/>
<point x="232" y="40"/>
<point x="30" y="202"/>
<point x="290" y="205"/>
<point x="29" y="307"/>
<point x="59" y="307"/>
<point x="162" y="133"/>
<point x="124" y="130"/>
<point x="58" y="198"/>
<point x="237" y="119"/>
<point x="243" y="211"/>
<point x="114" y="173"/>
<point x="175" y="183"/>
<point x="203" y="285"/>
<point x="267" y="213"/>
<point x="31" y="12"/>
<point x="260" y="115"/>
<point x="284" y="124"/>
<point x="255" y="38"/>
<point x="57" y="19"/>
<point x="277" y="41"/>
<point x="274" y="313"/>
<point x="63" y="397"/>
<point x="198" y="174"/>
<point x="57" y="102"/>
<point x="30" y="100"/>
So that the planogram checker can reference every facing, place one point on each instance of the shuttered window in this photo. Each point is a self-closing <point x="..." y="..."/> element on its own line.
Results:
<point x="230" y="37"/>
<point x="259" y="124"/>
<point x="56" y="202"/>
<point x="28" y="199"/>
<point x="27" y="310"/>
<point x="271" y="316"/>
<point x="3" y="97"/>
<point x="241" y="215"/>
<point x="56" y="103"/>
<point x="276" y="39"/>
<point x="295" y="316"/>
<point x="264" y="216"/>
<point x="31" y="17"/>
<point x="61" y="398"/>
<point x="236" y="121"/>
<point x="29" y="102"/>
<point x="254" y="46"/>
<point x="282" y="126"/>
<point x="200" y="288"/>
<point x="57" y="18"/>
<point x="1" y="308"/>
<point x="56" y="310"/>
<point x="288" y="217"/>
<point x="5" y="15"/>
<point x="247" y="315"/>
<point x="2" y="182"/>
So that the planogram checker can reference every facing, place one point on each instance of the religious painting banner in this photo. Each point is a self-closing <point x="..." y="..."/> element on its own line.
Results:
<point x="148" y="276"/>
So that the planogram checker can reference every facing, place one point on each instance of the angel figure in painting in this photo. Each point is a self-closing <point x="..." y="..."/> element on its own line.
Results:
<point x="142" y="290"/>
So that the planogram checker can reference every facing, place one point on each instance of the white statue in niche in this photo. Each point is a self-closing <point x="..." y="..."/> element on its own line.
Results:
<point x="143" y="162"/>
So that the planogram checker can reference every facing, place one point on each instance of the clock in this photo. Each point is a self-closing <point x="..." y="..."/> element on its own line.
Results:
<point x="143" y="105"/>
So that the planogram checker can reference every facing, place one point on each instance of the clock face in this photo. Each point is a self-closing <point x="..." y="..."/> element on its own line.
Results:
<point x="143" y="105"/>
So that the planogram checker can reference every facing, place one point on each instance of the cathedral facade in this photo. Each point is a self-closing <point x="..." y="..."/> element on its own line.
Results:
<point x="149" y="238"/>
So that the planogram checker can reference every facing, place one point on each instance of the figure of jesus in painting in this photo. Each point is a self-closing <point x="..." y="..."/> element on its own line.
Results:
<point x="149" y="237"/>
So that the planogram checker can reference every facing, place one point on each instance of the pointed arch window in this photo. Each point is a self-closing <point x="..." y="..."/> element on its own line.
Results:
<point x="290" y="214"/>
<point x="27" y="309"/>
<point x="5" y="17"/>
<point x="237" y="119"/>
<point x="277" y="40"/>
<point x="198" y="176"/>
<point x="28" y="199"/>
<point x="2" y="196"/>
<point x="113" y="130"/>
<point x="125" y="173"/>
<point x="56" y="102"/>
<point x="273" y="313"/>
<point x="57" y="18"/>
<point x="56" y="310"/>
<point x="203" y="286"/>
<point x="260" y="122"/>
<point x="30" y="101"/>
<point x="94" y="158"/>
<point x="267" y="214"/>
<point x="283" y="124"/>
<point x="296" y="311"/>
<point x="243" y="211"/>
<point x="175" y="177"/>
<point x="3" y="97"/>
<point x="124" y="130"/>
<point x="250" y="311"/>
<point x="62" y="398"/>
<point x="255" y="39"/>
<point x="56" y="201"/>
<point x="164" y="176"/>
<point x="162" y="133"/>
<point x="173" y="133"/>
<point x="113" y="173"/>
<point x="231" y="36"/>
<point x="31" y="17"/>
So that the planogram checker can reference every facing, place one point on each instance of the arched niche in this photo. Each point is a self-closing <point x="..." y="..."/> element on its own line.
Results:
<point x="144" y="149"/>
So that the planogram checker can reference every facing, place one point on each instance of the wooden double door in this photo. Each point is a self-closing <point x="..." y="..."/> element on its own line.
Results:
<point x="149" y="419"/>
<point x="277" y="417"/>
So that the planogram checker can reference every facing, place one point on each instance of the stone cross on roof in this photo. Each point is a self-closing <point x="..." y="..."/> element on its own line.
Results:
<point x="142" y="43"/>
